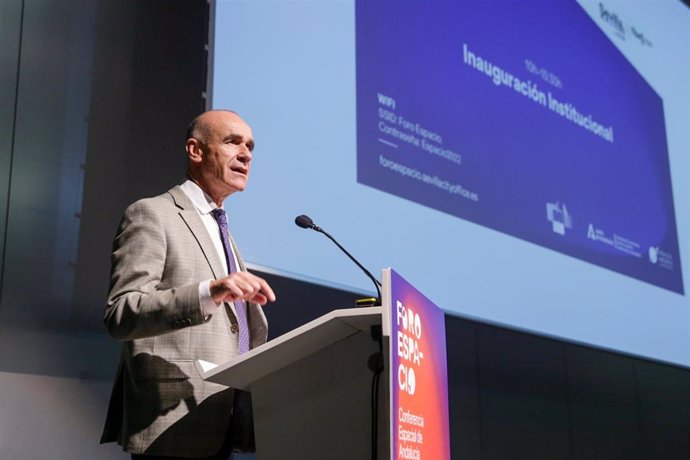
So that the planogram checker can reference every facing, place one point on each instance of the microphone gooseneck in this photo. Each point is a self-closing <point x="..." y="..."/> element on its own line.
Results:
<point x="304" y="221"/>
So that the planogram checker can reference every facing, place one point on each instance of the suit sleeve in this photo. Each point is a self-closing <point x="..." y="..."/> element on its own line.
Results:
<point x="138" y="305"/>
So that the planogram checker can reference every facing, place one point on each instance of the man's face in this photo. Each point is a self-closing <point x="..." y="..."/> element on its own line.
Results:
<point x="225" y="153"/>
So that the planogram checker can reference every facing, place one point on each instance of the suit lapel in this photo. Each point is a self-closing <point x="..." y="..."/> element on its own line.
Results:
<point x="191" y="217"/>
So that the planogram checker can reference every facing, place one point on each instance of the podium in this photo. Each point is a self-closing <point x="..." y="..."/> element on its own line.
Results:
<point x="312" y="388"/>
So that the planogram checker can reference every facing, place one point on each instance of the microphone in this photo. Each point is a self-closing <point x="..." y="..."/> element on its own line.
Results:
<point x="306" y="222"/>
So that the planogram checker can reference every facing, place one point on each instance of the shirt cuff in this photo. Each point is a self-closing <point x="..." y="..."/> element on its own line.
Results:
<point x="208" y="306"/>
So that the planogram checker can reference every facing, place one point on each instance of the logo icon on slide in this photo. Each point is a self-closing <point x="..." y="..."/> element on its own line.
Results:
<point x="557" y="214"/>
<point x="653" y="254"/>
<point x="660" y="258"/>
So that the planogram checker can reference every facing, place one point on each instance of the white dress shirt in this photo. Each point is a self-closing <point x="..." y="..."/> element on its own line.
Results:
<point x="204" y="205"/>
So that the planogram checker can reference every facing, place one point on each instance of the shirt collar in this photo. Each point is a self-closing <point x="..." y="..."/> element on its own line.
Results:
<point x="202" y="202"/>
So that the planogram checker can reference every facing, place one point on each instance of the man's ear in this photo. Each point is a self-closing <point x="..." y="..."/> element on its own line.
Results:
<point x="194" y="150"/>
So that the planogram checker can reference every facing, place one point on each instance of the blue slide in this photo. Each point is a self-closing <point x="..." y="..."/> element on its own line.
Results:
<point x="522" y="117"/>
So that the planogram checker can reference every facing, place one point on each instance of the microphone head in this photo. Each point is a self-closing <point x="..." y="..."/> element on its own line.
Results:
<point x="304" y="221"/>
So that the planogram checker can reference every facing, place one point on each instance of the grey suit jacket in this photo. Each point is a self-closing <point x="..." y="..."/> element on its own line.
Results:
<point x="159" y="405"/>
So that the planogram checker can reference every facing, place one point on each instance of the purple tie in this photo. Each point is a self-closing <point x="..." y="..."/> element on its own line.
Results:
<point x="240" y="306"/>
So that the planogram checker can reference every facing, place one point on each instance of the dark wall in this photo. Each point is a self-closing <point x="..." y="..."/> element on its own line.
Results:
<point x="10" y="12"/>
<point x="148" y="83"/>
<point x="516" y="395"/>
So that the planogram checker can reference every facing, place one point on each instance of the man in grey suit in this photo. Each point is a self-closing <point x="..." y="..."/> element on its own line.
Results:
<point x="179" y="292"/>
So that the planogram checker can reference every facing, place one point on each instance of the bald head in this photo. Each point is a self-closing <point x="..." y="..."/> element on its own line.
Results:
<point x="200" y="127"/>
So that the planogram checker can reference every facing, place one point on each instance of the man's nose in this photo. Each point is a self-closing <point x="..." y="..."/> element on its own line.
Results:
<point x="245" y="154"/>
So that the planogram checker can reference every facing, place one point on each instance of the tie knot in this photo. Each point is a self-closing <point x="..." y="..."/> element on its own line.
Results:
<point x="220" y="216"/>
